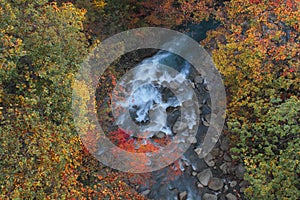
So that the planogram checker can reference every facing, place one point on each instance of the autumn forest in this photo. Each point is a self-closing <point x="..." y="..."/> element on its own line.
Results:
<point x="255" y="46"/>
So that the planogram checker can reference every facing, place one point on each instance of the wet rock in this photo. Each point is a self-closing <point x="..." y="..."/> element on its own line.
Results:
<point x="199" y="185"/>
<point x="179" y="126"/>
<point x="193" y="85"/>
<point x="207" y="196"/>
<point x="194" y="173"/>
<point x="222" y="197"/>
<point x="209" y="160"/>
<point x="206" y="110"/>
<point x="160" y="135"/>
<point x="225" y="144"/>
<point x="198" y="111"/>
<point x="187" y="103"/>
<point x="225" y="167"/>
<point x="227" y="157"/>
<point x="230" y="196"/>
<point x="205" y="123"/>
<point x="183" y="195"/>
<point x="215" y="152"/>
<point x="198" y="151"/>
<point x="173" y="115"/>
<point x="192" y="140"/>
<point x="146" y="192"/>
<point x="207" y="118"/>
<point x="233" y="184"/>
<point x="240" y="171"/>
<point x="197" y="164"/>
<point x="215" y="184"/>
<point x="205" y="176"/>
<point x="174" y="85"/>
<point x="208" y="102"/>
<point x="207" y="87"/>
<point x="198" y="79"/>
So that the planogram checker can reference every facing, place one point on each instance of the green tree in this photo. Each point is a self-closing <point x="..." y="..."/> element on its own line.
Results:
<point x="271" y="152"/>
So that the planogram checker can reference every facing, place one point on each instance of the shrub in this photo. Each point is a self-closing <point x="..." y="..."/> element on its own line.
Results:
<point x="270" y="150"/>
<point x="256" y="49"/>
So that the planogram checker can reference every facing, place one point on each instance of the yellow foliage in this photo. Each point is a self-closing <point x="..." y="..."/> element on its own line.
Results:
<point x="99" y="3"/>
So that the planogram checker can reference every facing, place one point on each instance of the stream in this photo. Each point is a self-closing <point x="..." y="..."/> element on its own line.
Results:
<point x="154" y="109"/>
<point x="161" y="125"/>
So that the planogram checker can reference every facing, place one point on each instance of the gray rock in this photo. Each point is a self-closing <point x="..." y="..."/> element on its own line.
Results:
<point x="225" y="144"/>
<point x="205" y="176"/>
<point x="215" y="152"/>
<point x="242" y="189"/>
<point x="230" y="196"/>
<point x="207" y="118"/>
<point x="183" y="195"/>
<point x="215" y="184"/>
<point x="194" y="173"/>
<point x="198" y="111"/>
<point x="225" y="167"/>
<point x="233" y="184"/>
<point x="187" y="103"/>
<point x="205" y="123"/>
<point x="174" y="85"/>
<point x="222" y="197"/>
<point x="192" y="140"/>
<point x="199" y="185"/>
<point x="179" y="126"/>
<point x="198" y="79"/>
<point x="209" y="160"/>
<point x="193" y="85"/>
<point x="198" y="151"/>
<point x="146" y="192"/>
<point x="207" y="196"/>
<point x="227" y="157"/>
<point x="160" y="135"/>
<point x="240" y="171"/>
<point x="244" y="184"/>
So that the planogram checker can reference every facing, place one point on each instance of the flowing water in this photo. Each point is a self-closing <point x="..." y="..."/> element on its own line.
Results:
<point x="153" y="108"/>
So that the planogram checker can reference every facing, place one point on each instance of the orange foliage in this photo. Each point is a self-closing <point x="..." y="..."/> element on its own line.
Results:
<point x="123" y="140"/>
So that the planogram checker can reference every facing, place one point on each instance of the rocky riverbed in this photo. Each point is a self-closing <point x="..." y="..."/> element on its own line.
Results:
<point x="216" y="176"/>
<point x="213" y="177"/>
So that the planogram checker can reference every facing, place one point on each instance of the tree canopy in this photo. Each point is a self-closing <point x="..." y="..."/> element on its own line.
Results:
<point x="255" y="47"/>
